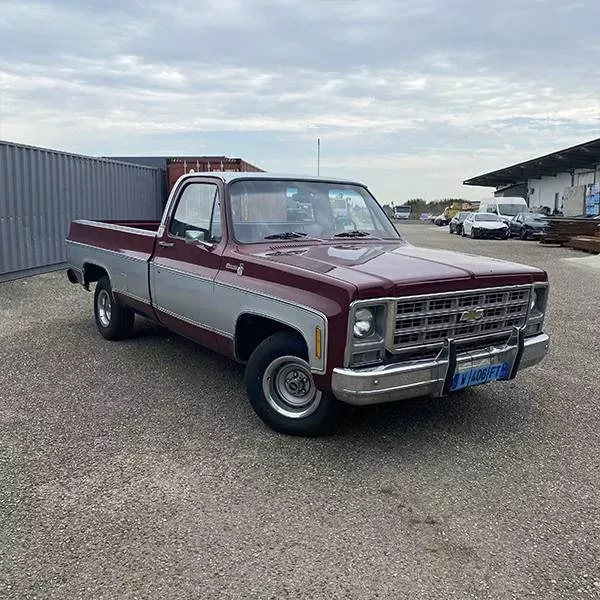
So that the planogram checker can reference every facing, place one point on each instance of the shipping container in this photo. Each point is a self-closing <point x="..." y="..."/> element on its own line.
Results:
<point x="43" y="190"/>
<point x="176" y="167"/>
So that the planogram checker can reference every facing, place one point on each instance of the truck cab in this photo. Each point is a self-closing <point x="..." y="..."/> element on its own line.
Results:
<point x="402" y="212"/>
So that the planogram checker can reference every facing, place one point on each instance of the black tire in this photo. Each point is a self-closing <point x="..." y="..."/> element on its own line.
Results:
<point x="523" y="234"/>
<point x="264" y="373"/>
<point x="114" y="321"/>
<point x="473" y="236"/>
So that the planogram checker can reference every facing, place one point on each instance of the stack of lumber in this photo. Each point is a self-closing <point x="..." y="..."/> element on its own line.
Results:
<point x="562" y="229"/>
<point x="587" y="243"/>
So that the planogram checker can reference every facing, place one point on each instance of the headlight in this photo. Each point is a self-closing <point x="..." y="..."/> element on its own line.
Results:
<point x="534" y="299"/>
<point x="537" y="310"/>
<point x="364" y="323"/>
<point x="539" y="299"/>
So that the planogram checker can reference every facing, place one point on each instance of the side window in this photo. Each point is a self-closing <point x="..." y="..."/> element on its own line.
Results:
<point x="198" y="209"/>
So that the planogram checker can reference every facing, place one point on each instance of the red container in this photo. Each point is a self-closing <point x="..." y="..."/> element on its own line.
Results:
<point x="176" y="167"/>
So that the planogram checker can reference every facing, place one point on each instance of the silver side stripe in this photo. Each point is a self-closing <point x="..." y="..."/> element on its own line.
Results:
<point x="194" y="323"/>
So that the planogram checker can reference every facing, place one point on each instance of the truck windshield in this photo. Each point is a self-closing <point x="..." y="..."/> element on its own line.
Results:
<point x="294" y="210"/>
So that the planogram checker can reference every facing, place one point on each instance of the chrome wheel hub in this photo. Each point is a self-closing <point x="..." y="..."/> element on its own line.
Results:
<point x="289" y="387"/>
<point x="104" y="308"/>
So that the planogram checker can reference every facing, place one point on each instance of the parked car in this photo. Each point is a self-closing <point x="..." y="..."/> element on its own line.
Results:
<point x="485" y="225"/>
<point x="456" y="223"/>
<point x="320" y="312"/>
<point x="440" y="220"/>
<point x="428" y="217"/>
<point x="527" y="225"/>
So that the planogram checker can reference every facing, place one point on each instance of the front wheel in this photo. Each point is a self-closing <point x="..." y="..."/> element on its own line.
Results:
<point x="282" y="390"/>
<point x="472" y="234"/>
<point x="113" y="320"/>
<point x="523" y="234"/>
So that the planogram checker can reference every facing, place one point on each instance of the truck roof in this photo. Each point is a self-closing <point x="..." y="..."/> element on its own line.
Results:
<point x="229" y="176"/>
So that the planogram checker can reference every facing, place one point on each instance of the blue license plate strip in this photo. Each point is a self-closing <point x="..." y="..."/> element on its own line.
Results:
<point x="480" y="375"/>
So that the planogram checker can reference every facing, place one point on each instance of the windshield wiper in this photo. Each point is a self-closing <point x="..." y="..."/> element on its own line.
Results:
<point x="353" y="233"/>
<point x="286" y="235"/>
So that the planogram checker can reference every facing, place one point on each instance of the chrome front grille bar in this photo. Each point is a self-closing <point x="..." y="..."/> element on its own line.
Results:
<point x="427" y="321"/>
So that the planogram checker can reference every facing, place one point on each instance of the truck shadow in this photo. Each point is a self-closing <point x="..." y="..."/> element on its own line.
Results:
<point x="477" y="413"/>
<point x="197" y="386"/>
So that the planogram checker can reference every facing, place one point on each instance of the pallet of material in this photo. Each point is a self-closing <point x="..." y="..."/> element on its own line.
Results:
<point x="585" y="243"/>
<point x="562" y="229"/>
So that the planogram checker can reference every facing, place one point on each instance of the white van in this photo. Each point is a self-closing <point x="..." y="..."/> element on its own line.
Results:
<point x="506" y="208"/>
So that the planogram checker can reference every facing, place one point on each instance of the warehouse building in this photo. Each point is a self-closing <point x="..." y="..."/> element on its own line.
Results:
<point x="567" y="180"/>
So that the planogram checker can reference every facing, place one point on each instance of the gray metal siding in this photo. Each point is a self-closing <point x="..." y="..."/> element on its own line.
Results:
<point x="42" y="191"/>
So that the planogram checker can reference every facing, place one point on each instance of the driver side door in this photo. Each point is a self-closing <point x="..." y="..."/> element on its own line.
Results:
<point x="187" y="260"/>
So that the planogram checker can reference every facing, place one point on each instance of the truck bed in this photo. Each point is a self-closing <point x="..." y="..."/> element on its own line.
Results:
<point x="122" y="248"/>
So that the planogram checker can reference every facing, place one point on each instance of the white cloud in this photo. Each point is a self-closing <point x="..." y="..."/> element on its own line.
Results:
<point x="435" y="93"/>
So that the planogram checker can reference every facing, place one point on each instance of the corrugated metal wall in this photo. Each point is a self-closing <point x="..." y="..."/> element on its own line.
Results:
<point x="42" y="191"/>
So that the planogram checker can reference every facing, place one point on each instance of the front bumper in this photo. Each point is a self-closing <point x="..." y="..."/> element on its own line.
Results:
<point x="491" y="233"/>
<point x="432" y="377"/>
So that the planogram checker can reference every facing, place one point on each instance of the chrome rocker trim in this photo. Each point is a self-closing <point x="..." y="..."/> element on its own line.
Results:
<point x="432" y="377"/>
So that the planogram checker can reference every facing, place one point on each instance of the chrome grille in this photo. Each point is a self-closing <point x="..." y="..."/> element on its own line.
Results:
<point x="429" y="321"/>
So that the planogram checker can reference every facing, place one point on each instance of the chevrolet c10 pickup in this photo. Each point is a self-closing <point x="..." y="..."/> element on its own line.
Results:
<point x="307" y="282"/>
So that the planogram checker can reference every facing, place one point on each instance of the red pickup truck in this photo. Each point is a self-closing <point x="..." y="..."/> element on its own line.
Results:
<point x="307" y="282"/>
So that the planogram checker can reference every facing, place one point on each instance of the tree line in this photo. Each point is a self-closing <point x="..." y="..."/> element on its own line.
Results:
<point x="418" y="206"/>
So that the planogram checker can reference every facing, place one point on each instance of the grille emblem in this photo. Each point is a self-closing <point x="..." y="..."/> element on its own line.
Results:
<point x="472" y="315"/>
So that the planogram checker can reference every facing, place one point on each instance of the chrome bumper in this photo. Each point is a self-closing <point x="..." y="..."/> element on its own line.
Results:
<point x="432" y="377"/>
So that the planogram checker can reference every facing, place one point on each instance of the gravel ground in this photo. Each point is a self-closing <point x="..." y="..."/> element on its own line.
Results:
<point x="138" y="470"/>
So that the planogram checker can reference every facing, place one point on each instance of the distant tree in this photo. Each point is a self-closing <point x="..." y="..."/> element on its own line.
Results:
<point x="389" y="211"/>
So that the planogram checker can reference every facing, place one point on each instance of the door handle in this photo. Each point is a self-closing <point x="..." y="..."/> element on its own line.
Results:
<point x="166" y="244"/>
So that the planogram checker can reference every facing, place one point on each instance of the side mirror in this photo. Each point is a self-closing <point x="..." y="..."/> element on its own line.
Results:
<point x="193" y="236"/>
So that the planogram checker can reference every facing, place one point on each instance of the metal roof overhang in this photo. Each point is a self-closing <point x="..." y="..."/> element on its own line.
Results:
<point x="586" y="155"/>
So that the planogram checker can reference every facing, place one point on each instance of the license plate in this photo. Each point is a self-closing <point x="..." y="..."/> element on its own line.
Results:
<point x="480" y="375"/>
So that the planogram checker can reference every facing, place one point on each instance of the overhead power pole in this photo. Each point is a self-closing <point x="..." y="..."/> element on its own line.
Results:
<point x="318" y="156"/>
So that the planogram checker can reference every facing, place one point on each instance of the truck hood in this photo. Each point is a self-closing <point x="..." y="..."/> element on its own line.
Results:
<point x="397" y="268"/>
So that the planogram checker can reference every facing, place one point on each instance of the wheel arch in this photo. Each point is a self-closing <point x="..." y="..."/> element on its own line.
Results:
<point x="94" y="272"/>
<point x="251" y="329"/>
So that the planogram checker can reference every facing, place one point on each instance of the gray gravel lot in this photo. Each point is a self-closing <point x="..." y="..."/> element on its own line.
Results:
<point x="138" y="470"/>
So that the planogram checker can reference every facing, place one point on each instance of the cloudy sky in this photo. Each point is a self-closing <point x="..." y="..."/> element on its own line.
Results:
<point x="410" y="96"/>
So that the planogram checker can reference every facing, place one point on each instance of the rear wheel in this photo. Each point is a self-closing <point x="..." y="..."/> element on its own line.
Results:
<point x="282" y="390"/>
<point x="113" y="320"/>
